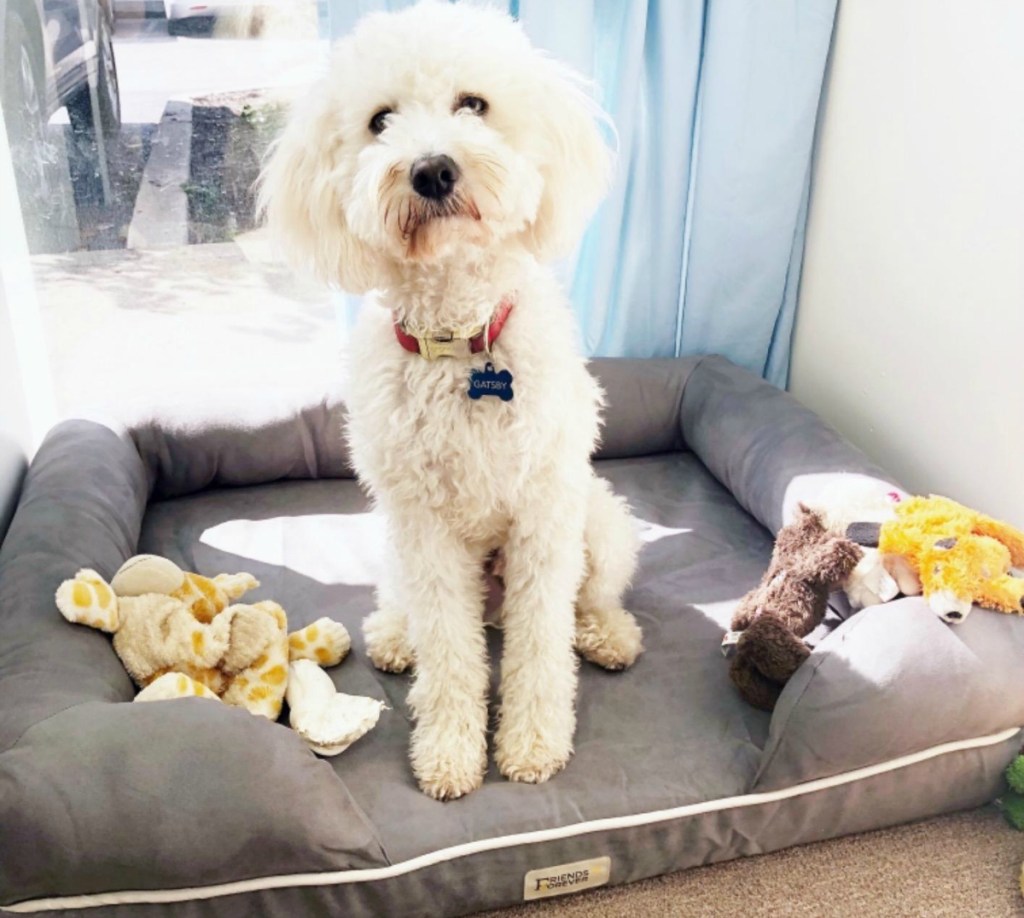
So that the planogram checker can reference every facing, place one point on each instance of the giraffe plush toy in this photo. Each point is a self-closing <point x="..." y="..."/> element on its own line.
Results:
<point x="181" y="635"/>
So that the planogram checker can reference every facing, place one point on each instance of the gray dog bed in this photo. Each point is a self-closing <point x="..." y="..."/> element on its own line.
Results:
<point x="193" y="808"/>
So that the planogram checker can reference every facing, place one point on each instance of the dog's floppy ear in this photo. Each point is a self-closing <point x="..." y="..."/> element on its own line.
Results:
<point x="576" y="165"/>
<point x="301" y="200"/>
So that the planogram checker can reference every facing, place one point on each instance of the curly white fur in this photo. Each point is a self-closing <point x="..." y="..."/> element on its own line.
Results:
<point x="459" y="478"/>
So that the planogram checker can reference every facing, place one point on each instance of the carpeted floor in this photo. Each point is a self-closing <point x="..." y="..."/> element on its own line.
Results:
<point x="955" y="866"/>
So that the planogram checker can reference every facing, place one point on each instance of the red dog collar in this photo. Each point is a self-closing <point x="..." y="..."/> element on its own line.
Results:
<point x="449" y="344"/>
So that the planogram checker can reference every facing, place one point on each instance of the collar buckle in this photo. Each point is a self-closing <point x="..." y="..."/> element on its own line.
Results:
<point x="456" y="342"/>
<point x="444" y="345"/>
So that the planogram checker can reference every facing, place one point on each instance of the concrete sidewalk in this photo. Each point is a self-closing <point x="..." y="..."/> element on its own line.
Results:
<point x="155" y="68"/>
<point x="129" y="329"/>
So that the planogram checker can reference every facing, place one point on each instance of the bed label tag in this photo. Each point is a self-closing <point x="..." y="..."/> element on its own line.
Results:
<point x="567" y="878"/>
<point x="489" y="381"/>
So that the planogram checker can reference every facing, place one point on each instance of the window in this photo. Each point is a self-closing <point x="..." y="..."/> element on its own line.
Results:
<point x="135" y="131"/>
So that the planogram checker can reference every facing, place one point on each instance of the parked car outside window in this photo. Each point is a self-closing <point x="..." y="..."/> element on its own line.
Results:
<point x="53" y="54"/>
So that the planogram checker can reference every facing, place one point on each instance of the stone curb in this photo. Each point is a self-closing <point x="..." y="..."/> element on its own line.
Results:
<point x="160" y="217"/>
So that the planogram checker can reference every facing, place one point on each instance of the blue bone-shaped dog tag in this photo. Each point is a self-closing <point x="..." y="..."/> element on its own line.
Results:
<point x="488" y="381"/>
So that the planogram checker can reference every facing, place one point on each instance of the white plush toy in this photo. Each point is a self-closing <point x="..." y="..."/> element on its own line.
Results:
<point x="858" y="499"/>
<point x="178" y="635"/>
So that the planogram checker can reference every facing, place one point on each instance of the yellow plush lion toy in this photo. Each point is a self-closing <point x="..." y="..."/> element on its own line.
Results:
<point x="181" y="635"/>
<point x="961" y="556"/>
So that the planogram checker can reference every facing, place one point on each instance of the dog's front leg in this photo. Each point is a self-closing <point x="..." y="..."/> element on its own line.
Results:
<point x="442" y="590"/>
<point x="544" y="565"/>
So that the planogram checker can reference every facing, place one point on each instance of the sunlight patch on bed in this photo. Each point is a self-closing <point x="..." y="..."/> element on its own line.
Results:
<point x="652" y="532"/>
<point x="348" y="548"/>
<point x="329" y="548"/>
<point x="718" y="612"/>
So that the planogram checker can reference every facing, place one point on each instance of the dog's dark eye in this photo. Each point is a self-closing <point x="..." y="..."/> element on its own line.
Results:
<point x="473" y="104"/>
<point x="379" y="121"/>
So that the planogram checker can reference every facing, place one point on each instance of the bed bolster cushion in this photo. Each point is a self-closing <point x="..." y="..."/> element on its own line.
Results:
<point x="891" y="681"/>
<point x="170" y="795"/>
<point x="642" y="399"/>
<point x="244" y="438"/>
<point x="81" y="506"/>
<point x="760" y="442"/>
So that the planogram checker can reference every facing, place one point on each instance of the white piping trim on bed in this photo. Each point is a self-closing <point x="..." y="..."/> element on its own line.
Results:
<point x="336" y="878"/>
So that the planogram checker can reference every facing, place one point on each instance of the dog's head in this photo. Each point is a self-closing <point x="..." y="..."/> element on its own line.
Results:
<point x="439" y="133"/>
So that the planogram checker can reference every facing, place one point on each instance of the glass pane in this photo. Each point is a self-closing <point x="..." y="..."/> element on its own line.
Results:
<point x="136" y="130"/>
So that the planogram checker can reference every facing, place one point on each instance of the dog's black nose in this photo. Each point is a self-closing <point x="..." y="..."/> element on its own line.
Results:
<point x="434" y="176"/>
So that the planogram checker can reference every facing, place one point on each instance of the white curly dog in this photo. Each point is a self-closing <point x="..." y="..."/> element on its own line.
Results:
<point x="440" y="163"/>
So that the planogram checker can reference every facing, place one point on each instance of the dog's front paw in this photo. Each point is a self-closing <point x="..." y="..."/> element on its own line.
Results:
<point x="611" y="638"/>
<point x="448" y="769"/>
<point x="387" y="641"/>
<point x="531" y="756"/>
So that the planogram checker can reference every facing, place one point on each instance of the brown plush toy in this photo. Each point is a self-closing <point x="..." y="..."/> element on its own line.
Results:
<point x="808" y="563"/>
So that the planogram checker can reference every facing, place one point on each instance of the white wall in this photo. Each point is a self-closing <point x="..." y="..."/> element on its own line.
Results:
<point x="910" y="325"/>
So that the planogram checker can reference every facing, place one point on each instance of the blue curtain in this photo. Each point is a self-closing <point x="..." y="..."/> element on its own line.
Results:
<point x="698" y="247"/>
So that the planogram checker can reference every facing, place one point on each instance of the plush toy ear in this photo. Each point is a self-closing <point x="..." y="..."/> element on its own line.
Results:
<point x="576" y="163"/>
<point x="1010" y="536"/>
<point x="144" y="574"/>
<point x="89" y="600"/>
<point x="301" y="200"/>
